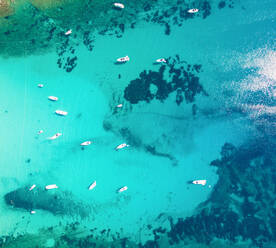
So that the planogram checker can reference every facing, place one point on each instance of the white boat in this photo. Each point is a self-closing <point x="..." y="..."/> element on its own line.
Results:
<point x="162" y="60"/>
<point x="92" y="186"/>
<point x="119" y="105"/>
<point x="61" y="112"/>
<point x="119" y="5"/>
<point x="202" y="182"/>
<point x="68" y="32"/>
<point x="55" y="136"/>
<point x="193" y="11"/>
<point x="52" y="98"/>
<point x="32" y="212"/>
<point x="51" y="186"/>
<point x="121" y="146"/>
<point x="123" y="189"/>
<point x="40" y="131"/>
<point x="32" y="187"/>
<point x="123" y="59"/>
<point x="86" y="143"/>
<point x="40" y="85"/>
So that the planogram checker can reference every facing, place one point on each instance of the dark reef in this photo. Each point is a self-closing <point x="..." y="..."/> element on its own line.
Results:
<point x="61" y="203"/>
<point x="183" y="78"/>
<point x="241" y="204"/>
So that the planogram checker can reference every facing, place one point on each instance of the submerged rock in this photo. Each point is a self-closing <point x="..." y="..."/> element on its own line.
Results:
<point x="54" y="201"/>
<point x="183" y="79"/>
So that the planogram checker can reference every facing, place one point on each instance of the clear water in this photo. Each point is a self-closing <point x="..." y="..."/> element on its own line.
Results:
<point x="170" y="143"/>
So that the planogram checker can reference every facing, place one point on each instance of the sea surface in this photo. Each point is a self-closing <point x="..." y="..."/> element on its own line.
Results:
<point x="207" y="113"/>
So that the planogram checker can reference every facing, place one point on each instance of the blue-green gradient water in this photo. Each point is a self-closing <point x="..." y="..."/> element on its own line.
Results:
<point x="208" y="113"/>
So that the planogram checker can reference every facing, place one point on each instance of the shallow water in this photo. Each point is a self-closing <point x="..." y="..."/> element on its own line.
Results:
<point x="208" y="113"/>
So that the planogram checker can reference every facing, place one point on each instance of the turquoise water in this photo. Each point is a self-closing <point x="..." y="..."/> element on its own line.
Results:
<point x="175" y="128"/>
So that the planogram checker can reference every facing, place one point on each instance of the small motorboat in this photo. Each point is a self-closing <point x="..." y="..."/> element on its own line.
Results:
<point x="86" y="143"/>
<point x="202" y="182"/>
<point x="52" y="98"/>
<point x="92" y="186"/>
<point x="32" y="187"/>
<point x="68" y="32"/>
<point x="61" y="112"/>
<point x="122" y="59"/>
<point x="51" y="186"/>
<point x="40" y="131"/>
<point x="121" y="146"/>
<point x="55" y="136"/>
<point x="32" y="212"/>
<point x="192" y="11"/>
<point x="122" y="189"/>
<point x="119" y="105"/>
<point x="40" y="85"/>
<point x="119" y="5"/>
<point x="162" y="60"/>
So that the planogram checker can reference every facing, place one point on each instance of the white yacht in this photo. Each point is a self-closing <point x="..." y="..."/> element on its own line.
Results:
<point x="202" y="182"/>
<point x="32" y="187"/>
<point x="61" y="112"/>
<point x="162" y="60"/>
<point x="192" y="11"/>
<point x="86" y="143"/>
<point x="92" y="186"/>
<point x="123" y="59"/>
<point x="123" y="189"/>
<point x="52" y="98"/>
<point x="119" y="5"/>
<point x="121" y="146"/>
<point x="68" y="32"/>
<point x="51" y="186"/>
<point x="55" y="136"/>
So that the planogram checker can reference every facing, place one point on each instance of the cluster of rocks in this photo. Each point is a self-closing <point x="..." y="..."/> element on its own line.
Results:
<point x="183" y="78"/>
<point x="67" y="59"/>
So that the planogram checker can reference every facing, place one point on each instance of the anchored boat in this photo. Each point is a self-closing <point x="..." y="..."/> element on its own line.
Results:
<point x="51" y="186"/>
<point x="162" y="60"/>
<point x="121" y="146"/>
<point x="68" y="32"/>
<point x="202" y="182"/>
<point x="123" y="59"/>
<point x="92" y="186"/>
<point x="86" y="143"/>
<point x="55" y="136"/>
<point x="192" y="11"/>
<point x="52" y="98"/>
<point x="32" y="187"/>
<point x="119" y="5"/>
<point x="61" y="112"/>
<point x="122" y="189"/>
